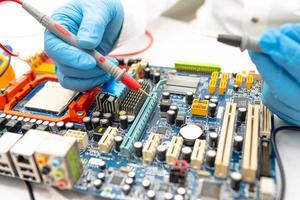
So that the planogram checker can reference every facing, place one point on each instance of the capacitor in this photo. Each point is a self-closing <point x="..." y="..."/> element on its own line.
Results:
<point x="147" y="73"/>
<point x="53" y="127"/>
<point x="178" y="197"/>
<point x="146" y="183"/>
<point x="235" y="180"/>
<point x="33" y="121"/>
<point x="171" y="117"/>
<point x="126" y="189"/>
<point x="102" y="164"/>
<point x="214" y="100"/>
<point x="168" y="196"/>
<point x="129" y="181"/>
<point x="241" y="116"/>
<point x="175" y="108"/>
<point x="156" y="77"/>
<point x="166" y="95"/>
<point x="122" y="112"/>
<point x="60" y="125"/>
<point x="210" y="158"/>
<point x="14" y="117"/>
<point x="189" y="97"/>
<point x="104" y="123"/>
<point x="151" y="194"/>
<point x="96" y="114"/>
<point x="39" y="122"/>
<point x="69" y="125"/>
<point x="212" y="108"/>
<point x="97" y="183"/>
<point x="138" y="149"/>
<point x="21" y="119"/>
<point x="101" y="176"/>
<point x="131" y="175"/>
<point x="161" y="153"/>
<point x="181" y="191"/>
<point x="108" y="116"/>
<point x="190" y="133"/>
<point x="8" y="117"/>
<point x="123" y="122"/>
<point x="118" y="141"/>
<point x="87" y="123"/>
<point x="186" y="153"/>
<point x="236" y="88"/>
<point x="27" y="119"/>
<point x="238" y="143"/>
<point x="213" y="140"/>
<point x="96" y="122"/>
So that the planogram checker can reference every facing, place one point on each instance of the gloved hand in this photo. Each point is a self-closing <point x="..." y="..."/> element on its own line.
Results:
<point x="279" y="65"/>
<point x="97" y="24"/>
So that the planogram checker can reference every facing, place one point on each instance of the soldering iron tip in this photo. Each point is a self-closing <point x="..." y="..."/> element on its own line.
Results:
<point x="144" y="92"/>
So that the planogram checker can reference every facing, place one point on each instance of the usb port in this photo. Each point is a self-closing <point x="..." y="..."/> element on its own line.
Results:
<point x="22" y="159"/>
<point x="26" y="169"/>
<point x="4" y="165"/>
<point x="30" y="178"/>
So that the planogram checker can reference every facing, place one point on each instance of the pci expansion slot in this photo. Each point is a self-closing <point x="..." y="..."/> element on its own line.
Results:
<point x="139" y="124"/>
<point x="224" y="147"/>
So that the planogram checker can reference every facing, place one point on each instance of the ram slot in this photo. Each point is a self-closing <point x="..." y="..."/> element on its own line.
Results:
<point x="107" y="140"/>
<point x="265" y="121"/>
<point x="139" y="124"/>
<point x="174" y="149"/>
<point x="149" y="148"/>
<point x="249" y="164"/>
<point x="224" y="147"/>
<point x="198" y="154"/>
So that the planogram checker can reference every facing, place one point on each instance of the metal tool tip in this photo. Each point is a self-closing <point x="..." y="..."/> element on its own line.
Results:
<point x="144" y="92"/>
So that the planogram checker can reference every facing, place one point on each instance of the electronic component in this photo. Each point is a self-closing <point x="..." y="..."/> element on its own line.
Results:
<point x="161" y="151"/>
<point x="212" y="109"/>
<point x="212" y="86"/>
<point x="180" y="120"/>
<point x="58" y="160"/>
<point x="265" y="121"/>
<point x="222" y="87"/>
<point x="123" y="122"/>
<point x="238" y="143"/>
<point x="149" y="148"/>
<point x="138" y="149"/>
<point x="267" y="189"/>
<point x="200" y="108"/>
<point x="235" y="180"/>
<point x="239" y="80"/>
<point x="189" y="97"/>
<point x="107" y="140"/>
<point x="6" y="142"/>
<point x="52" y="97"/>
<point x="241" y="102"/>
<point x="249" y="165"/>
<point x="190" y="133"/>
<point x="80" y="136"/>
<point x="224" y="146"/>
<point x="174" y="149"/>
<point x="265" y="166"/>
<point x="186" y="153"/>
<point x="22" y="154"/>
<point x="178" y="84"/>
<point x="249" y="81"/>
<point x="241" y="116"/>
<point x="87" y="123"/>
<point x="165" y="105"/>
<point x="213" y="139"/>
<point x="118" y="141"/>
<point x="197" y="156"/>
<point x="210" y="158"/>
<point x="194" y="67"/>
<point x="178" y="172"/>
<point x="171" y="116"/>
<point x="161" y="130"/>
<point x="210" y="190"/>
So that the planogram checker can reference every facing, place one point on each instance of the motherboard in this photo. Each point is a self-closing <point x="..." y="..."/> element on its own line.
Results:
<point x="200" y="134"/>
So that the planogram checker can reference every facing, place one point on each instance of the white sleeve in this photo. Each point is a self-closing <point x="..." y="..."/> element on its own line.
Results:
<point x="138" y="14"/>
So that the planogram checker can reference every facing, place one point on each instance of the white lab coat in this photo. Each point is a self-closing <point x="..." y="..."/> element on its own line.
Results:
<point x="220" y="16"/>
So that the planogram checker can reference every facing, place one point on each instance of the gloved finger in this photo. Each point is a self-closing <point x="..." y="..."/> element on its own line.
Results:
<point x="283" y="50"/>
<point x="284" y="111"/>
<point x="292" y="31"/>
<point x="92" y="26"/>
<point x="282" y="84"/>
<point x="80" y="84"/>
<point x="66" y="54"/>
<point x="74" y="72"/>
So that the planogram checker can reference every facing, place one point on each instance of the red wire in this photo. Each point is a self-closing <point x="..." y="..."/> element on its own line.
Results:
<point x="8" y="51"/>
<point x="16" y="1"/>
<point x="151" y="39"/>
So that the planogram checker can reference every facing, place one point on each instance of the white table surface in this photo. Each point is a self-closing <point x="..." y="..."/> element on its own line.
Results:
<point x="173" y="41"/>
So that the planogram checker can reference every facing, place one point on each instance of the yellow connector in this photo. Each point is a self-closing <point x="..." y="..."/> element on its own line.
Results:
<point x="174" y="149"/>
<point x="225" y="76"/>
<point x="198" y="154"/>
<point x="215" y="75"/>
<point x="212" y="86"/>
<point x="107" y="140"/>
<point x="239" y="80"/>
<point x="223" y="87"/>
<point x="199" y="107"/>
<point x="149" y="148"/>
<point x="249" y="81"/>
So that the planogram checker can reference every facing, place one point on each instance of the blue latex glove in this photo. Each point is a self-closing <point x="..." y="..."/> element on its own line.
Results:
<point x="279" y="64"/>
<point x="97" y="24"/>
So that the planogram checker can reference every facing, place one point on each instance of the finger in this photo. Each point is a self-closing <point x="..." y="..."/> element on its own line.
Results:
<point x="80" y="73"/>
<point x="292" y="31"/>
<point x="284" y="87"/>
<point x="66" y="54"/>
<point x="80" y="84"/>
<point x="283" y="50"/>
<point x="284" y="111"/>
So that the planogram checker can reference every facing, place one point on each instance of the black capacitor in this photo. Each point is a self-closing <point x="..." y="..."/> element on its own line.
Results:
<point x="108" y="116"/>
<point x="156" y="77"/>
<point x="212" y="109"/>
<point x="214" y="100"/>
<point x="175" y="108"/>
<point x="235" y="180"/>
<point x="97" y="183"/>
<point x="21" y="120"/>
<point x="126" y="189"/>
<point x="242" y="111"/>
<point x="146" y="184"/>
<point x="166" y="95"/>
<point x="118" y="141"/>
<point x="69" y="125"/>
<point x="186" y="153"/>
<point x="87" y="123"/>
<point x="189" y="97"/>
<point x="104" y="123"/>
<point x="238" y="143"/>
<point x="52" y="126"/>
<point x="213" y="140"/>
<point x="132" y="175"/>
<point x="138" y="149"/>
<point x="123" y="122"/>
<point x="161" y="151"/>
<point x="60" y="125"/>
<point x="147" y="73"/>
<point x="151" y="194"/>
<point x="236" y="88"/>
<point x="102" y="164"/>
<point x="206" y="97"/>
<point x="96" y="122"/>
<point x="96" y="114"/>
<point x="129" y="181"/>
<point x="25" y="120"/>
<point x="171" y="116"/>
<point x="210" y="158"/>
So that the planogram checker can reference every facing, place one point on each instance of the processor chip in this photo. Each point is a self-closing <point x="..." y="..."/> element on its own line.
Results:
<point x="52" y="98"/>
<point x="210" y="190"/>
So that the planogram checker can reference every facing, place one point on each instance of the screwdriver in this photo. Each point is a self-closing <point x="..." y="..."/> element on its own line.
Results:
<point x="70" y="38"/>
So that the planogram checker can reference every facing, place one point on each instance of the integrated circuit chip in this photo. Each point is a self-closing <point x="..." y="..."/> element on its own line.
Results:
<point x="161" y="130"/>
<point x="210" y="190"/>
<point x="116" y="180"/>
<point x="52" y="98"/>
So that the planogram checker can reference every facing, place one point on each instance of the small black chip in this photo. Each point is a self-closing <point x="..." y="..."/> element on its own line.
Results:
<point x="98" y="134"/>
<point x="161" y="130"/>
<point x="241" y="102"/>
<point x="180" y="120"/>
<point x="210" y="190"/>
<point x="116" y="180"/>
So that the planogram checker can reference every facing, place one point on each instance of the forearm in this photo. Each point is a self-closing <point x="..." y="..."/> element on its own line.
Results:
<point x="138" y="14"/>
